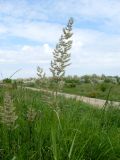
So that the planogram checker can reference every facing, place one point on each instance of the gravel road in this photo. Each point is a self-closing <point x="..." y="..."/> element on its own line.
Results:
<point x="93" y="101"/>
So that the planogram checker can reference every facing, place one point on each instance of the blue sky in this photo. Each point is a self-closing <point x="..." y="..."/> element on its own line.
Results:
<point x="30" y="29"/>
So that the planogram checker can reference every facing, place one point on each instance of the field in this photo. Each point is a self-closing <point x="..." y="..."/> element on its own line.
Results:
<point x="98" y="91"/>
<point x="62" y="130"/>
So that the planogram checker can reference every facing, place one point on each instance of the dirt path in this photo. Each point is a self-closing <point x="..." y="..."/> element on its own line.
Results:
<point x="92" y="101"/>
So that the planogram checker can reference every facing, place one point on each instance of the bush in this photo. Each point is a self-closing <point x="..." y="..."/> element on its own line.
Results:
<point x="77" y="81"/>
<point x="70" y="85"/>
<point x="103" y="87"/>
<point x="7" y="80"/>
<point x="92" y="94"/>
<point x="107" y="80"/>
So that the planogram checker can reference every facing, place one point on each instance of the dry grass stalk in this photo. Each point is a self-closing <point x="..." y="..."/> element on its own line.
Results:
<point x="7" y="111"/>
<point x="31" y="114"/>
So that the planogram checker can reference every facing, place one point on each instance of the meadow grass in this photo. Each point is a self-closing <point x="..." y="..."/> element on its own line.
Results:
<point x="72" y="131"/>
<point x="99" y="91"/>
<point x="86" y="89"/>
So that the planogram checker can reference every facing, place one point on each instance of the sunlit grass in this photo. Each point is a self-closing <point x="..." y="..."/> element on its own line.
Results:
<point x="75" y="131"/>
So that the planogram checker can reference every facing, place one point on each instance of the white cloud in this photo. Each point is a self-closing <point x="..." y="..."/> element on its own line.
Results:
<point x="3" y="29"/>
<point x="26" y="57"/>
<point x="93" y="50"/>
<point x="42" y="32"/>
<point x="19" y="9"/>
<point x="27" y="54"/>
<point x="104" y="11"/>
<point x="89" y="8"/>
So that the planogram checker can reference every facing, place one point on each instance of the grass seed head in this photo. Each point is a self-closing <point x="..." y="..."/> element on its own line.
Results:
<point x="31" y="114"/>
<point x="7" y="111"/>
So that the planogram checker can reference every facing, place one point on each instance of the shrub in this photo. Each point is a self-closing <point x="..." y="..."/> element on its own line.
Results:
<point x="92" y="94"/>
<point x="103" y="87"/>
<point x="70" y="85"/>
<point x="7" y="80"/>
<point x="107" y="80"/>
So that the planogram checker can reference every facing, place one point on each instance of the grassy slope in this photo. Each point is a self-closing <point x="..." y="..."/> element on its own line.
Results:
<point x="76" y="132"/>
<point x="87" y="89"/>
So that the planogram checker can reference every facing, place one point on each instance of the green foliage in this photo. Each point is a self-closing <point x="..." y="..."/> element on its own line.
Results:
<point x="97" y="90"/>
<point x="7" y="80"/>
<point x="107" y="80"/>
<point x="72" y="80"/>
<point x="75" y="131"/>
<point x="103" y="87"/>
<point x="70" y="85"/>
<point x="86" y="78"/>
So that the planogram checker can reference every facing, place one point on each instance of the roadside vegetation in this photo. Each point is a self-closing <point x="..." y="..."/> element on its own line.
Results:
<point x="35" y="128"/>
<point x="87" y="85"/>
<point x="97" y="87"/>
